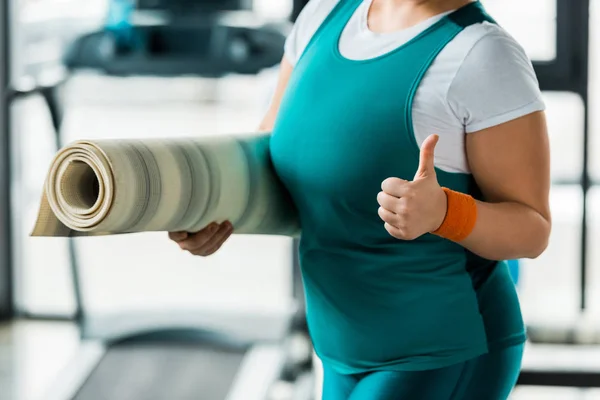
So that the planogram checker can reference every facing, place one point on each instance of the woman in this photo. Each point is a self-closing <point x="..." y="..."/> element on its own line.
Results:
<point x="412" y="138"/>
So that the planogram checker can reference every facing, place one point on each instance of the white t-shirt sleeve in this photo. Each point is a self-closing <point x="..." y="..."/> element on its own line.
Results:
<point x="308" y="22"/>
<point x="496" y="83"/>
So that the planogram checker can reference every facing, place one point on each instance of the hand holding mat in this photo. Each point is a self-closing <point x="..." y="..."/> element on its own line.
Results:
<point x="107" y="187"/>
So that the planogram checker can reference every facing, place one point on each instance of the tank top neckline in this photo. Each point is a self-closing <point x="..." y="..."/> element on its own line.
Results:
<point x="345" y="11"/>
<point x="363" y="18"/>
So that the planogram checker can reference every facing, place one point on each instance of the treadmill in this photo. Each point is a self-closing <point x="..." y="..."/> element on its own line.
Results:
<point x="200" y="354"/>
<point x="208" y="38"/>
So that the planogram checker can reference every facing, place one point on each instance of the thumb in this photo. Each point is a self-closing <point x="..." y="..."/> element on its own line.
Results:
<point x="426" y="166"/>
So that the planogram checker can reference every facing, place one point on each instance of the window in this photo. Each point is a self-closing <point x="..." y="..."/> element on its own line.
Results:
<point x="549" y="286"/>
<point x="593" y="290"/>
<point x="273" y="9"/>
<point x="532" y="23"/>
<point x="554" y="278"/>
<point x="565" y="116"/>
<point x="40" y="32"/>
<point x="594" y="88"/>
<point x="42" y="277"/>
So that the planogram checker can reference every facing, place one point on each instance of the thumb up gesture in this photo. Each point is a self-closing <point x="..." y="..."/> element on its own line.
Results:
<point x="412" y="209"/>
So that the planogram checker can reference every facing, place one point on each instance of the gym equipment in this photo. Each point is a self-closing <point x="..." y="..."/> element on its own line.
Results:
<point x="181" y="38"/>
<point x="204" y="356"/>
<point x="168" y="185"/>
<point x="189" y="355"/>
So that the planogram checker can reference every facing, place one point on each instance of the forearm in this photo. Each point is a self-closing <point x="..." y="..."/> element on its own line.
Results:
<point x="508" y="230"/>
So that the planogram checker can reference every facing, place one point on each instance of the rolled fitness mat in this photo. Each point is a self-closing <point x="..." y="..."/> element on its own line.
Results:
<point x="106" y="187"/>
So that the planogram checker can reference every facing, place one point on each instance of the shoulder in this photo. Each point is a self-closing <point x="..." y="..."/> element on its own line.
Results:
<point x="307" y="23"/>
<point x="494" y="81"/>
<point x="485" y="43"/>
<point x="489" y="43"/>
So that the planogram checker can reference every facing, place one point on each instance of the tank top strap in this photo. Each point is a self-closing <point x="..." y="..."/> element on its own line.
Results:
<point x="471" y="14"/>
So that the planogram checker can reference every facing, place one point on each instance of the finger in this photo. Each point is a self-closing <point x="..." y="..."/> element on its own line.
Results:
<point x="426" y="159"/>
<point x="395" y="187"/>
<point x="178" y="236"/>
<point x="214" y="249"/>
<point x="216" y="241"/>
<point x="389" y="202"/>
<point x="395" y="232"/>
<point x="400" y="233"/>
<point x="198" y="239"/>
<point x="391" y="218"/>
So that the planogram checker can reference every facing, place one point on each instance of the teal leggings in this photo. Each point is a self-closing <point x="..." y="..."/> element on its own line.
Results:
<point x="490" y="377"/>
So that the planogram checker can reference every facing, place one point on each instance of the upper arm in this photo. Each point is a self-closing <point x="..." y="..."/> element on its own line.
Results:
<point x="495" y="83"/>
<point x="496" y="95"/>
<point x="285" y="71"/>
<point x="307" y="23"/>
<point x="511" y="162"/>
<point x="304" y="28"/>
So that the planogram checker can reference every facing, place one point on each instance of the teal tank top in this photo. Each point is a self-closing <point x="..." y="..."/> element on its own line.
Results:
<point x="375" y="302"/>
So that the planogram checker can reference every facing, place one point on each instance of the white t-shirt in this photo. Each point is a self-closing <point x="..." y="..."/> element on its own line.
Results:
<point x="482" y="78"/>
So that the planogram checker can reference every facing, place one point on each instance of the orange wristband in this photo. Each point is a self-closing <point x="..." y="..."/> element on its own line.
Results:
<point x="460" y="216"/>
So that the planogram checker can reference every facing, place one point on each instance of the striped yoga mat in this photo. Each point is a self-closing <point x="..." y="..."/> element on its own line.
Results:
<point x="105" y="187"/>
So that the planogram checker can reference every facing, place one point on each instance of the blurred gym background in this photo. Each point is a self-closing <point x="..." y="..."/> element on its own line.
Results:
<point x="134" y="318"/>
